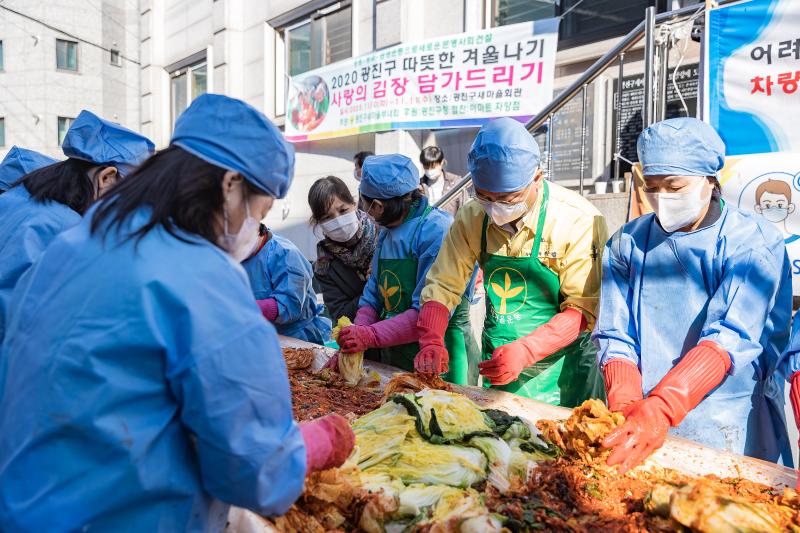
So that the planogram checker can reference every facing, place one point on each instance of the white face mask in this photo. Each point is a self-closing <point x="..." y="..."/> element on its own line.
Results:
<point x="433" y="174"/>
<point x="244" y="243"/>
<point x="503" y="213"/>
<point x="341" y="228"/>
<point x="775" y="214"/>
<point x="676" y="210"/>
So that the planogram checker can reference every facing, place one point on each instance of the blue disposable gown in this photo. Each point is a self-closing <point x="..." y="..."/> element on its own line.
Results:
<point x="140" y="388"/>
<point x="728" y="283"/>
<point x="791" y="359"/>
<point x="281" y="272"/>
<point x="27" y="226"/>
<point x="396" y="243"/>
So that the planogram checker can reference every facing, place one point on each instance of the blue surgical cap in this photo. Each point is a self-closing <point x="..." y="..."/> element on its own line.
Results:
<point x="680" y="147"/>
<point x="96" y="140"/>
<point x="388" y="176"/>
<point x="18" y="162"/>
<point x="504" y="157"/>
<point x="236" y="136"/>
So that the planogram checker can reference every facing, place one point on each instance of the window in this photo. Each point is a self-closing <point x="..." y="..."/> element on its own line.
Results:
<point x="116" y="60"/>
<point x="387" y="23"/>
<point x="514" y="11"/>
<point x="66" y="55"/>
<point x="186" y="85"/>
<point x="322" y="40"/>
<point x="1" y="56"/>
<point x="583" y="22"/>
<point x="64" y="124"/>
<point x="2" y="131"/>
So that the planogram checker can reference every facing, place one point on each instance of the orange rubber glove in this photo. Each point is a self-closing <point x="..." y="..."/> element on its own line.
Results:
<point x="623" y="383"/>
<point x="509" y="360"/>
<point x="681" y="390"/>
<point x="794" y="397"/>
<point x="431" y="325"/>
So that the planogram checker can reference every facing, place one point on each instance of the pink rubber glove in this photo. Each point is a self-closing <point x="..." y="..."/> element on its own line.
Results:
<point x="509" y="360"/>
<point x="357" y="339"/>
<point x="623" y="383"/>
<point x="432" y="324"/>
<point x="269" y="308"/>
<point x="365" y="316"/>
<point x="400" y="329"/>
<point x="679" y="391"/>
<point x="329" y="441"/>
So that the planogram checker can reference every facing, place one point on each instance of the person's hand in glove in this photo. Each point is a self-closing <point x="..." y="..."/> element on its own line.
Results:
<point x="432" y="357"/>
<point x="329" y="441"/>
<point x="623" y="383"/>
<point x="679" y="391"/>
<point x="644" y="431"/>
<point x="509" y="360"/>
<point x="357" y="339"/>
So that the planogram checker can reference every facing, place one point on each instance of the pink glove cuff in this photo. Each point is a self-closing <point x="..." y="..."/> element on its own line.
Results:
<point x="269" y="308"/>
<point x="559" y="332"/>
<point x="318" y="445"/>
<point x="400" y="329"/>
<point x="365" y="316"/>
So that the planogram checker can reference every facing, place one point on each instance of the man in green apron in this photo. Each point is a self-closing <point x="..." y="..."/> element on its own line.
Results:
<point x="539" y="246"/>
<point x="412" y="232"/>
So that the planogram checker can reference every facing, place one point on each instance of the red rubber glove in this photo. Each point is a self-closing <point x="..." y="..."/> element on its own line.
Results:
<point x="431" y="325"/>
<point x="623" y="383"/>
<point x="269" y="308"/>
<point x="357" y="339"/>
<point x="681" y="390"/>
<point x="329" y="441"/>
<point x="509" y="360"/>
<point x="794" y="397"/>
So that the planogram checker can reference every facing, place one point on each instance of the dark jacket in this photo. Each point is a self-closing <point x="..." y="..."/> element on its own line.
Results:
<point x="450" y="181"/>
<point x="341" y="288"/>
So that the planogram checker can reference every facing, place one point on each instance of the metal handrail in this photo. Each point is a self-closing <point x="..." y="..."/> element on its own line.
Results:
<point x="598" y="67"/>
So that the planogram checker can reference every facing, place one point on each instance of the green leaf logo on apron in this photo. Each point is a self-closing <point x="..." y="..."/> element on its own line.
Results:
<point x="391" y="290"/>
<point x="508" y="290"/>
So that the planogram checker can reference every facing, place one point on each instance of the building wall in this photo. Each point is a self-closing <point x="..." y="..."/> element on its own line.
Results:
<point x="33" y="93"/>
<point x="248" y="55"/>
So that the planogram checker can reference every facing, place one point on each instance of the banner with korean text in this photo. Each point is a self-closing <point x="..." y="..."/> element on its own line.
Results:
<point x="753" y="75"/>
<point x="753" y="101"/>
<point x="447" y="82"/>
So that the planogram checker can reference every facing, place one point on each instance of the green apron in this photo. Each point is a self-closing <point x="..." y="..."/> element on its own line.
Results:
<point x="521" y="295"/>
<point x="397" y="281"/>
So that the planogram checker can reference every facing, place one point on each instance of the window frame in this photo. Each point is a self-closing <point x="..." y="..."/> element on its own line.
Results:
<point x="331" y="9"/>
<point x="185" y="70"/>
<point x="2" y="132"/>
<point x="68" y="125"/>
<point x="77" y="56"/>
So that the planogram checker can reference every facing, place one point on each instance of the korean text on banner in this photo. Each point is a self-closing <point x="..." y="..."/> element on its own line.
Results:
<point x="446" y="82"/>
<point x="753" y="75"/>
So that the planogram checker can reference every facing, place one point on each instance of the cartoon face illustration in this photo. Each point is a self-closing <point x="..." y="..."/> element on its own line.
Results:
<point x="774" y="200"/>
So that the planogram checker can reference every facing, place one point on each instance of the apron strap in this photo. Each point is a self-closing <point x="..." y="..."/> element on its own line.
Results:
<point x="422" y="218"/>
<point x="537" y="241"/>
<point x="483" y="232"/>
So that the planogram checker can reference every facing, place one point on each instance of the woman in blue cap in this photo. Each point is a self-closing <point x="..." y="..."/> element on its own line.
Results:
<point x="281" y="279"/>
<point x="54" y="197"/>
<point x="142" y="390"/>
<point x="694" y="310"/>
<point x="18" y="162"/>
<point x="538" y="245"/>
<point x="407" y="246"/>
